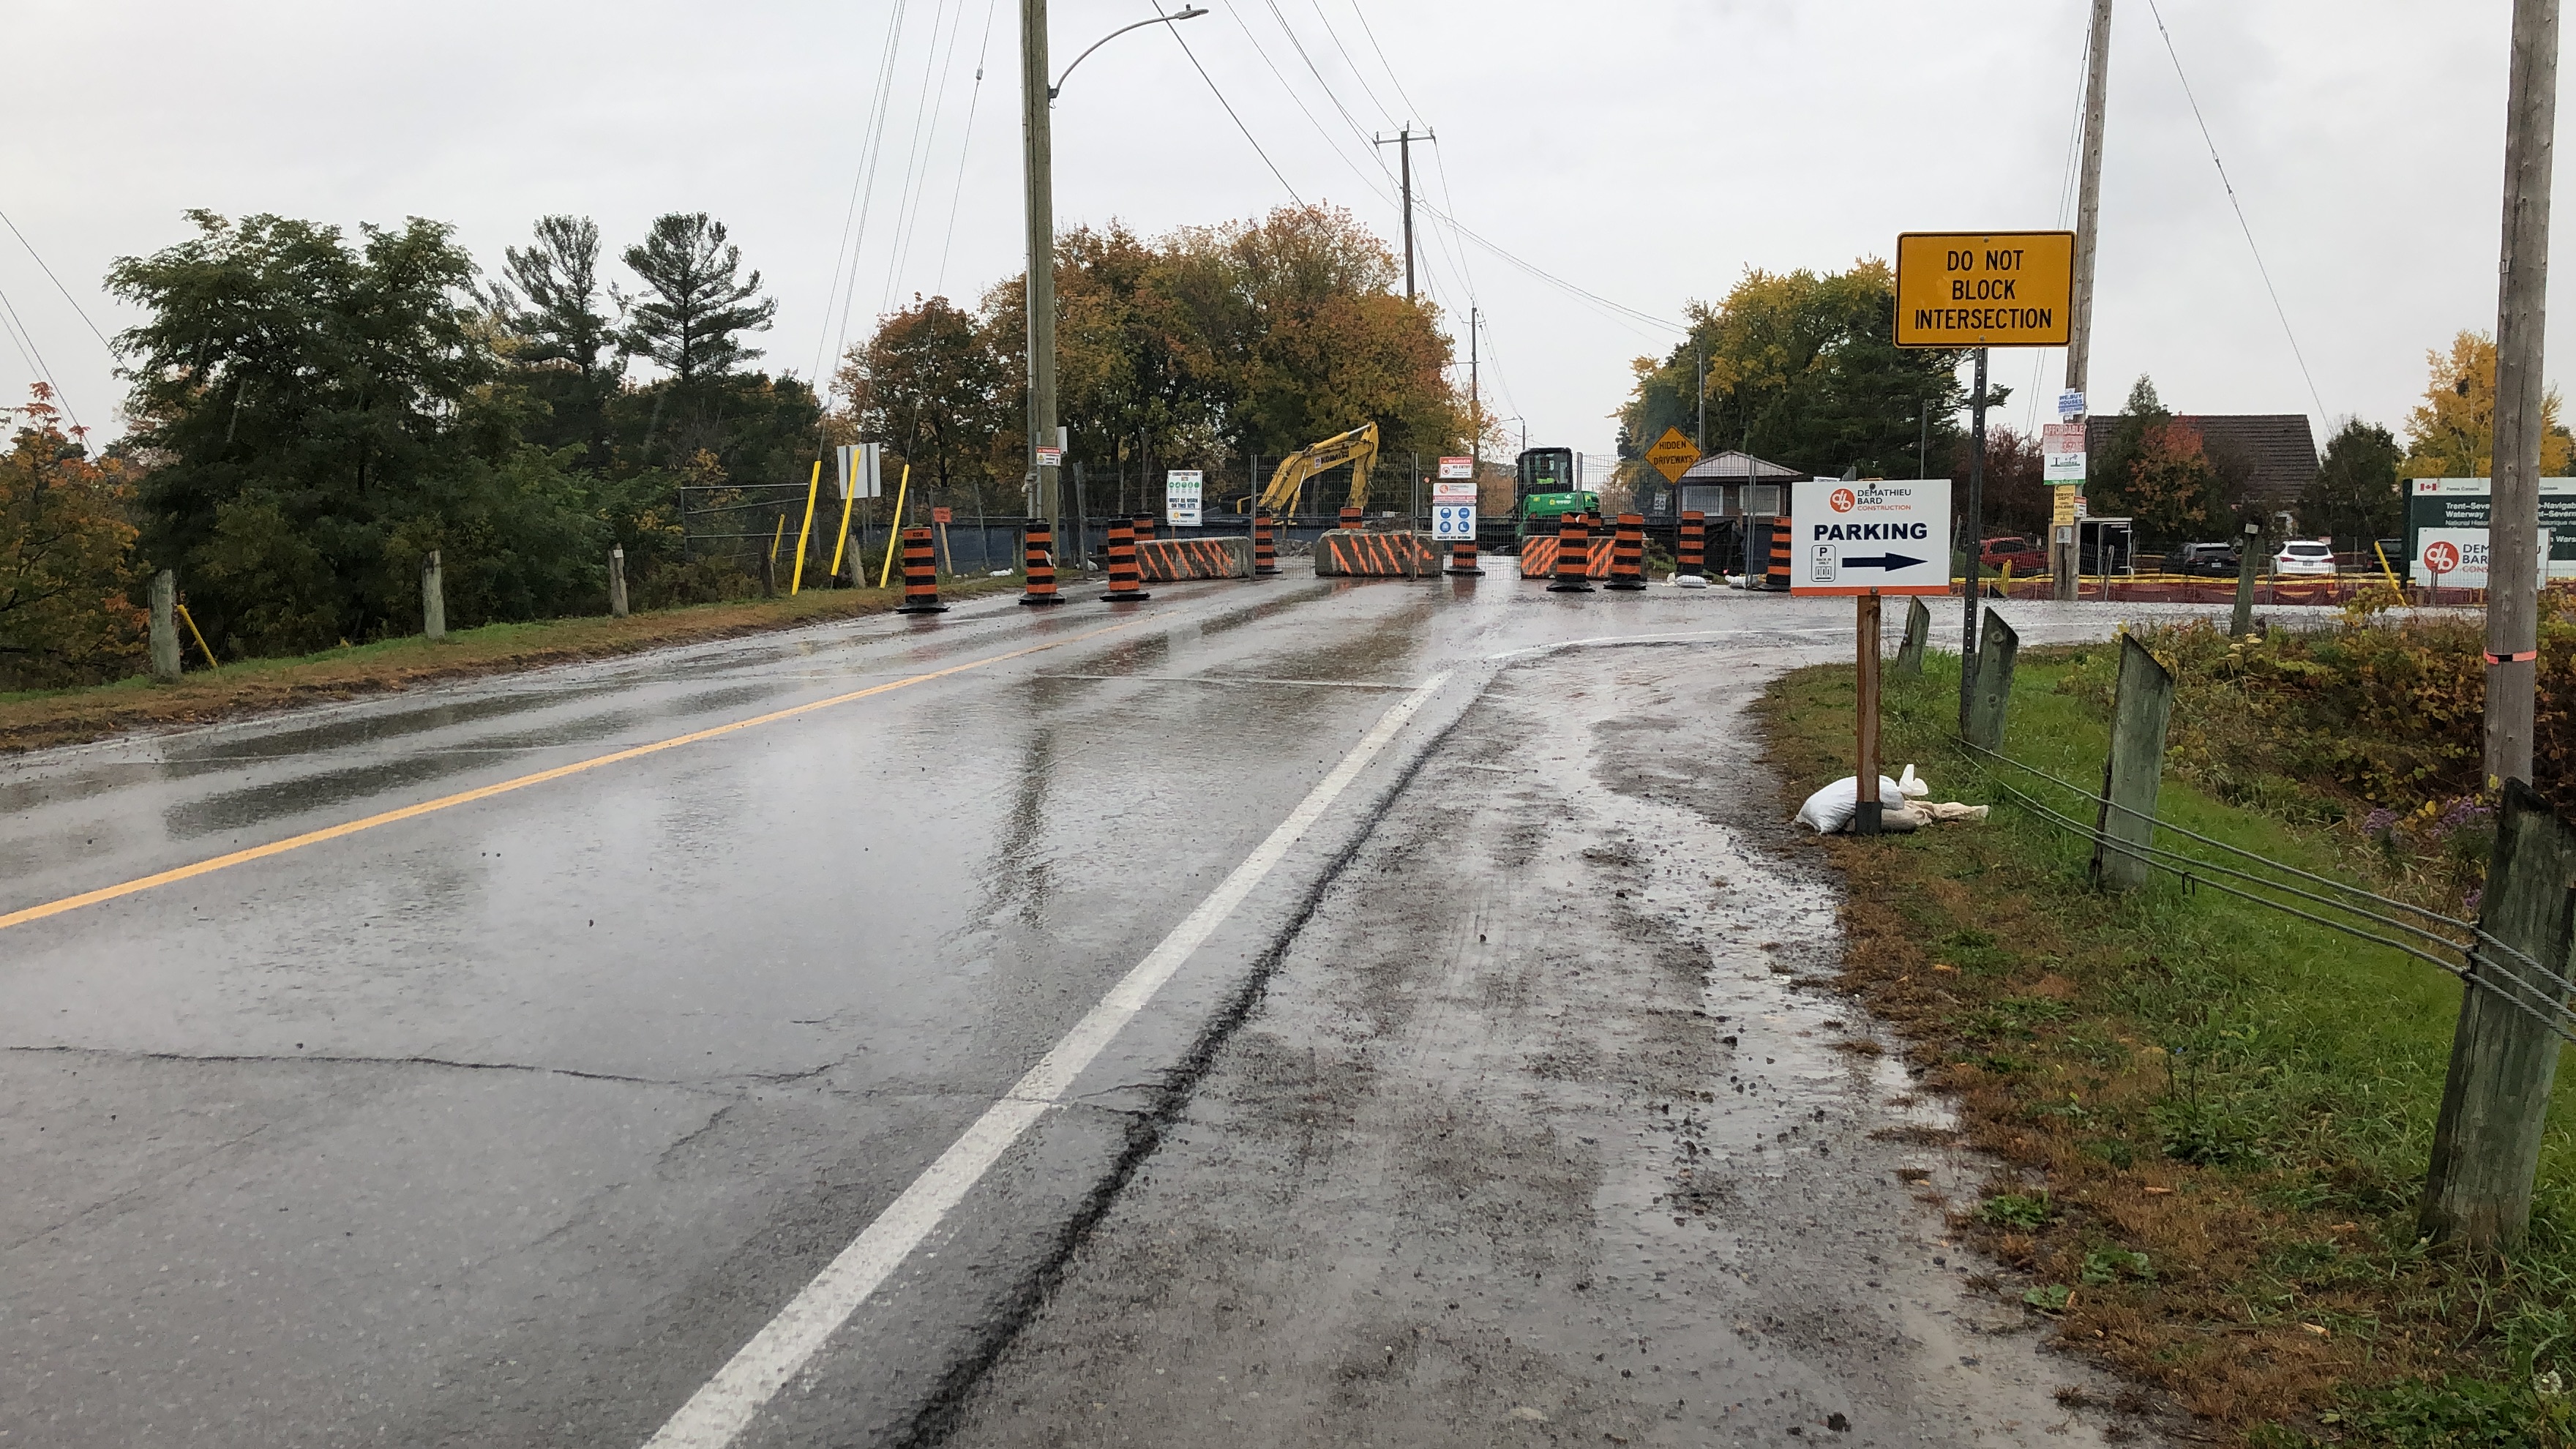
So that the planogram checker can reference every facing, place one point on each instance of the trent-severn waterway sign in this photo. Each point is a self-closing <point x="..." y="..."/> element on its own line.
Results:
<point x="1884" y="537"/>
<point x="1984" y="288"/>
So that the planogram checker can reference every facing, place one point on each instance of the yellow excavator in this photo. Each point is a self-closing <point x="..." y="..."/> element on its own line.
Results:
<point x="1358" y="447"/>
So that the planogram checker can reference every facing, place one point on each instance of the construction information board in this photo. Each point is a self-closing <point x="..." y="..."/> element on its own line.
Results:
<point x="1984" y="288"/>
<point x="1181" y="496"/>
<point x="2453" y="511"/>
<point x="1871" y="537"/>
<point x="1458" y="468"/>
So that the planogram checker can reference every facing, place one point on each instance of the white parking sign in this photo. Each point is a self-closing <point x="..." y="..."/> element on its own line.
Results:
<point x="1869" y="537"/>
<point x="1450" y="521"/>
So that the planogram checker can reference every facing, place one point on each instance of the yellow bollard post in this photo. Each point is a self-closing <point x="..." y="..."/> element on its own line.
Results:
<point x="190" y="620"/>
<point x="844" y="541"/>
<point x="804" y="531"/>
<point x="893" y="541"/>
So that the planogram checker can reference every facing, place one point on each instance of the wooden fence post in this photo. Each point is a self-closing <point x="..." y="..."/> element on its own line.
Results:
<point x="2130" y="777"/>
<point x="2504" y="1058"/>
<point x="165" y="626"/>
<point x="2249" y="544"/>
<point x="617" y="581"/>
<point x="1918" y="637"/>
<point x="433" y="598"/>
<point x="1865" y="679"/>
<point x="1990" y="696"/>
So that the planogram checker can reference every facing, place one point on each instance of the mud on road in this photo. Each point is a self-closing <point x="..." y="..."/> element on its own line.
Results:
<point x="1548" y="1130"/>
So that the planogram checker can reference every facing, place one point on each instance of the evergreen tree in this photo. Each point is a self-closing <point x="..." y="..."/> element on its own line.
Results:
<point x="698" y="304"/>
<point x="564" y="346"/>
<point x="2354" y="494"/>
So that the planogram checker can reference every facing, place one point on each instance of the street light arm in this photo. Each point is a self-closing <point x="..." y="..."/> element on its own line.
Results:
<point x="1190" y="12"/>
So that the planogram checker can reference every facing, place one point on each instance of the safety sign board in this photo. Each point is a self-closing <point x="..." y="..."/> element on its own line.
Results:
<point x="1984" y="288"/>
<point x="1452" y="490"/>
<point x="1181" y="496"/>
<point x="1458" y="468"/>
<point x="2061" y="448"/>
<point x="861" y="464"/>
<point x="2070" y="406"/>
<point x="1672" y="455"/>
<point x="1050" y="457"/>
<point x="943" y="515"/>
<point x="1453" y="521"/>
<point x="1870" y="537"/>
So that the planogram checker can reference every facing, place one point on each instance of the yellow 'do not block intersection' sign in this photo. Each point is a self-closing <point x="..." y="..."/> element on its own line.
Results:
<point x="1984" y="288"/>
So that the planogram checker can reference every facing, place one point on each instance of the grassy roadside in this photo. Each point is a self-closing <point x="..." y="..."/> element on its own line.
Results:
<point x="38" y="718"/>
<point x="2215" y="1118"/>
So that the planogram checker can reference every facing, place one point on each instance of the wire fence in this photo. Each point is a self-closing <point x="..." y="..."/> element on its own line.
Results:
<point x="2460" y="948"/>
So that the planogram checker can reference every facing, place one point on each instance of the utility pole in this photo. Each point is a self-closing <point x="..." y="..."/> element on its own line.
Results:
<point x="2513" y="583"/>
<point x="1699" y="436"/>
<point x="2063" y="557"/>
<point x="1475" y="402"/>
<point x="1976" y="521"/>
<point x="1403" y="142"/>
<point x="1038" y="148"/>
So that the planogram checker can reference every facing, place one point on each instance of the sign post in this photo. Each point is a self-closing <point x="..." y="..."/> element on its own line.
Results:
<point x="1181" y="488"/>
<point x="1977" y="290"/>
<point x="1869" y="540"/>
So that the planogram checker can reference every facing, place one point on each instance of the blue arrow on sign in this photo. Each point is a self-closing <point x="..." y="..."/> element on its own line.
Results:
<point x="1884" y="561"/>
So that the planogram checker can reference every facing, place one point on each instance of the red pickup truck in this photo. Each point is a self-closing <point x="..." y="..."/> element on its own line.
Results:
<point x="2025" y="555"/>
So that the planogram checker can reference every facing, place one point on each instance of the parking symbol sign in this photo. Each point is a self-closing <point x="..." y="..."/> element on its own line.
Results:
<point x="1825" y="565"/>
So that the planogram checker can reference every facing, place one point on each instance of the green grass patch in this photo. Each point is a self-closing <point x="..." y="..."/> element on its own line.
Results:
<point x="2216" y="1116"/>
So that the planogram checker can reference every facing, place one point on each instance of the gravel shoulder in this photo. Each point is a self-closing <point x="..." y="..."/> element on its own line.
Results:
<point x="1550" y="1130"/>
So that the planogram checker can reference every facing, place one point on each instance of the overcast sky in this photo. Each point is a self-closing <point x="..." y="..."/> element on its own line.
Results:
<point x="1647" y="152"/>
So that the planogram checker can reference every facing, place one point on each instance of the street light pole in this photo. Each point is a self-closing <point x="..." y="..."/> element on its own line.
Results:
<point x="1037" y="95"/>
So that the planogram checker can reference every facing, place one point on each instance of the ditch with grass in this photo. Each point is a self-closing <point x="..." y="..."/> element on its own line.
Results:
<point x="2213" y="1119"/>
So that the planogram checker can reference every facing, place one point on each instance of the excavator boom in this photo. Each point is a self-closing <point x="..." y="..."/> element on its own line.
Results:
<point x="1358" y="447"/>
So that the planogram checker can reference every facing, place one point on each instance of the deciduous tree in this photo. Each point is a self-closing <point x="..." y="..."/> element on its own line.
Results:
<point x="2451" y="433"/>
<point x="66" y="561"/>
<point x="2354" y="494"/>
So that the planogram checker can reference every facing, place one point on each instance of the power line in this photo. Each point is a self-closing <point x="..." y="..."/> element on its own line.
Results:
<point x="1371" y="33"/>
<point x="1357" y="74"/>
<point x="925" y="139"/>
<point x="25" y="338"/>
<point x="862" y="200"/>
<point x="2233" y="201"/>
<point x="59" y="287"/>
<point x="1229" y="105"/>
<point x="939" y="281"/>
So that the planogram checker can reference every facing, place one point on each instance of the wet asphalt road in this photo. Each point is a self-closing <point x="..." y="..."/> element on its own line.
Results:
<point x="510" y="1122"/>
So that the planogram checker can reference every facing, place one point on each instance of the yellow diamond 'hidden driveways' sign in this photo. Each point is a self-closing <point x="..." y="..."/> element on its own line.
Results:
<point x="1984" y="289"/>
<point x="1672" y="455"/>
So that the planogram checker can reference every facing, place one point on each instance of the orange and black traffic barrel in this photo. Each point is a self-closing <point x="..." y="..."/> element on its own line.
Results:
<point x="1040" y="562"/>
<point x="1350" y="518"/>
<point x="1124" y="580"/>
<point x="1265" y="549"/>
<point x="1628" y="554"/>
<point x="920" y="575"/>
<point x="1462" y="558"/>
<point x="1777" y="575"/>
<point x="1144" y="528"/>
<point x="1694" y="551"/>
<point x="1573" y="557"/>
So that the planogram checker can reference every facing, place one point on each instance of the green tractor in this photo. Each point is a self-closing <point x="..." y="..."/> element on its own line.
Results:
<point x="1550" y="487"/>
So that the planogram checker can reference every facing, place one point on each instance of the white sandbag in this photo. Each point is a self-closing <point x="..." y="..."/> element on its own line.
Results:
<point x="1911" y="785"/>
<point x="1690" y="581"/>
<point x="1831" y="809"/>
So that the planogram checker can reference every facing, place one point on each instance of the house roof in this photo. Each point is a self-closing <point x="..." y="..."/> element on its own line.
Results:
<point x="2278" y="450"/>
<point x="1734" y="466"/>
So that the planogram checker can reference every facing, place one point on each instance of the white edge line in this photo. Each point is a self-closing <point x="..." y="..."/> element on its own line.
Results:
<point x="727" y="1403"/>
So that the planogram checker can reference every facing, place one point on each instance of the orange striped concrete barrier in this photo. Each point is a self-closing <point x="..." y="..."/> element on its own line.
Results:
<point x="1352" y="553"/>
<point x="1171" y="560"/>
<point x="1538" y="560"/>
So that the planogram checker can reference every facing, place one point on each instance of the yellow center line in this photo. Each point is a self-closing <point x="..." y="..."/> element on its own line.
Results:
<point x="486" y="792"/>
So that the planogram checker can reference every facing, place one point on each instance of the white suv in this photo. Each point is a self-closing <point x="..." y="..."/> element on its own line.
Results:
<point x="2301" y="556"/>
